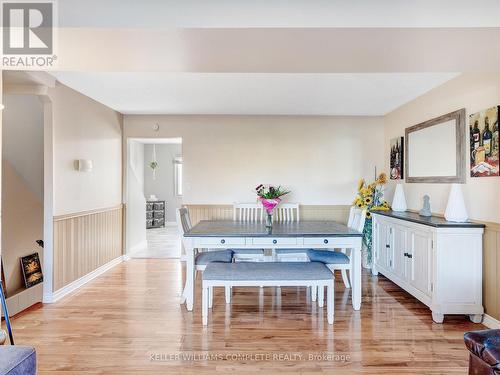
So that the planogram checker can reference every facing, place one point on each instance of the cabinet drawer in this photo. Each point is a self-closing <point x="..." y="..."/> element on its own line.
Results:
<point x="149" y="215"/>
<point x="159" y="214"/>
<point x="159" y="206"/>
<point x="274" y="241"/>
<point x="223" y="241"/>
<point x="317" y="241"/>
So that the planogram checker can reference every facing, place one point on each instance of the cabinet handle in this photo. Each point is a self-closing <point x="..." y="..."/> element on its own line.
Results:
<point x="388" y="246"/>
<point x="405" y="254"/>
<point x="275" y="242"/>
<point x="222" y="241"/>
<point x="410" y="256"/>
<point x="325" y="241"/>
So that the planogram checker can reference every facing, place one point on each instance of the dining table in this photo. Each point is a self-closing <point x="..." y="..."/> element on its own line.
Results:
<point x="226" y="234"/>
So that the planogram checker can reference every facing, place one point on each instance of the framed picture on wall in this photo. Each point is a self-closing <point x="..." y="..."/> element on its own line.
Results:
<point x="32" y="270"/>
<point x="484" y="148"/>
<point x="397" y="158"/>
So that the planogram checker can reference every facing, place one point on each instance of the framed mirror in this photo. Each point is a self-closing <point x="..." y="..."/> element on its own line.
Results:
<point x="435" y="150"/>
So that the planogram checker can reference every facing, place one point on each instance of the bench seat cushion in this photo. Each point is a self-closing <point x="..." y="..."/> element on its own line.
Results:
<point x="249" y="251"/>
<point x="17" y="360"/>
<point x="327" y="256"/>
<point x="290" y="251"/>
<point x="255" y="271"/>
<point x="225" y="256"/>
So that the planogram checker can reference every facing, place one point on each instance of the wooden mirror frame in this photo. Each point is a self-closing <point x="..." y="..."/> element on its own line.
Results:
<point x="460" y="176"/>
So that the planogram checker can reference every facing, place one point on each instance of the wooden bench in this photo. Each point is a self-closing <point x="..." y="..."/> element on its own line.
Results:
<point x="313" y="274"/>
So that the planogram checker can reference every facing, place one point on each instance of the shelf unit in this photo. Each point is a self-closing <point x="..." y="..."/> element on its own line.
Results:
<point x="155" y="214"/>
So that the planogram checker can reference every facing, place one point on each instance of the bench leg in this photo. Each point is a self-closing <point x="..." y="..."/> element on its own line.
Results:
<point x="321" y="296"/>
<point x="204" y="304"/>
<point x="210" y="297"/>
<point x="228" y="290"/>
<point x="330" y="294"/>
<point x="314" y="293"/>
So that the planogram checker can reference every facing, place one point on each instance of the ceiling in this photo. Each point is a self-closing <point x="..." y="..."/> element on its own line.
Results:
<point x="270" y="57"/>
<point x="278" y="13"/>
<point x="253" y="94"/>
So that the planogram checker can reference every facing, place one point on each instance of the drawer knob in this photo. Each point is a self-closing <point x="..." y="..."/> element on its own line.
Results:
<point x="222" y="241"/>
<point x="325" y="241"/>
<point x="275" y="242"/>
<point x="387" y="246"/>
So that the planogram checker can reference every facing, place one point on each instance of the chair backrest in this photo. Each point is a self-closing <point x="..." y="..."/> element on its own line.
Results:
<point x="357" y="221"/>
<point x="183" y="220"/>
<point x="247" y="212"/>
<point x="287" y="212"/>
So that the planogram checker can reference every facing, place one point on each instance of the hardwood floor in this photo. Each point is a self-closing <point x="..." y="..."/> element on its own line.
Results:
<point x="129" y="321"/>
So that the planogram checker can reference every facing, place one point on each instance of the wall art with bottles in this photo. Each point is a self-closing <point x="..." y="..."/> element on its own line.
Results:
<point x="484" y="147"/>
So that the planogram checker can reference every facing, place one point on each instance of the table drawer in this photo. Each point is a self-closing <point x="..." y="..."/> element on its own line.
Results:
<point x="222" y="241"/>
<point x="274" y="241"/>
<point x="317" y="241"/>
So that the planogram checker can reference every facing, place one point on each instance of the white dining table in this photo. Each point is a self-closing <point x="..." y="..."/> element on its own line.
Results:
<point x="219" y="234"/>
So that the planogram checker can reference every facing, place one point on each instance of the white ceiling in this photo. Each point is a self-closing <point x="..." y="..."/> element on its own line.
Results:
<point x="278" y="13"/>
<point x="253" y="94"/>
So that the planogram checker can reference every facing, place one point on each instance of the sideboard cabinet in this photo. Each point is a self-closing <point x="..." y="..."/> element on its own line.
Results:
<point x="436" y="261"/>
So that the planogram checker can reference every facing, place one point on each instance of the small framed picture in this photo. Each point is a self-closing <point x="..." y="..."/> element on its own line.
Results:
<point x="397" y="161"/>
<point x="32" y="270"/>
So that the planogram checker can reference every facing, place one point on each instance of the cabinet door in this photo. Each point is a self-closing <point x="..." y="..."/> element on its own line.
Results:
<point x="382" y="244"/>
<point x="419" y="261"/>
<point x="400" y="235"/>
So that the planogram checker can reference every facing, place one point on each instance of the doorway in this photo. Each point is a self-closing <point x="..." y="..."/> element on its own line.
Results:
<point x="154" y="189"/>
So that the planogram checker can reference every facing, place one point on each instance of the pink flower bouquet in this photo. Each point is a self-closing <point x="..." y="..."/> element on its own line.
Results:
<point x="270" y="197"/>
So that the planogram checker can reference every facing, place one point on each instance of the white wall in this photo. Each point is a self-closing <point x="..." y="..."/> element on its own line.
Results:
<point x="474" y="92"/>
<point x="163" y="186"/>
<point x="85" y="129"/>
<point x="319" y="158"/>
<point x="23" y="139"/>
<point x="136" y="204"/>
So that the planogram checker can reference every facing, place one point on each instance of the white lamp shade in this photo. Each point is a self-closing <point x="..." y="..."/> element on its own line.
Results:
<point x="399" y="200"/>
<point x="455" y="209"/>
<point x="85" y="165"/>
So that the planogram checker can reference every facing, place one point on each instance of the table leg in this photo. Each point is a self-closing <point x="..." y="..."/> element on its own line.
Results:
<point x="188" y="294"/>
<point x="356" y="275"/>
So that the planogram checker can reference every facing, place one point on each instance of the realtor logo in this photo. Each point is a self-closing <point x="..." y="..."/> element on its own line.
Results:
<point x="28" y="28"/>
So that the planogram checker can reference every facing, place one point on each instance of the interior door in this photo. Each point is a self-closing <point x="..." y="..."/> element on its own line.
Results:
<point x="419" y="260"/>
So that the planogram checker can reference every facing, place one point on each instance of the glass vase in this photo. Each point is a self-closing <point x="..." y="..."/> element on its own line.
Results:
<point x="269" y="220"/>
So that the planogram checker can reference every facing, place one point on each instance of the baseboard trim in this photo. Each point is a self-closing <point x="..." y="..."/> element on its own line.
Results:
<point x="71" y="287"/>
<point x="491" y="322"/>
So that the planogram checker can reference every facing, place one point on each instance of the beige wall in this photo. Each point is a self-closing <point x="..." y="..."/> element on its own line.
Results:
<point x="473" y="92"/>
<point x="22" y="225"/>
<point x="85" y="129"/>
<point x="319" y="158"/>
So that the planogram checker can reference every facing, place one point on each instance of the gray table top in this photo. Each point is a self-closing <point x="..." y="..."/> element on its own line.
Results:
<point x="226" y="228"/>
<point x="431" y="221"/>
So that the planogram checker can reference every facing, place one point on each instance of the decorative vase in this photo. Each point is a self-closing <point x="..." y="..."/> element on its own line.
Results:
<point x="366" y="261"/>
<point x="269" y="220"/>
<point x="399" y="200"/>
<point x="455" y="209"/>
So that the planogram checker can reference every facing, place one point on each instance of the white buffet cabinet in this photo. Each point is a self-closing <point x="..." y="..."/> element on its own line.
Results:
<point x="438" y="262"/>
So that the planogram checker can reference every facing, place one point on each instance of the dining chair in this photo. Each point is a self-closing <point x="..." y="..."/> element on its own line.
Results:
<point x="341" y="260"/>
<point x="248" y="212"/>
<point x="203" y="258"/>
<point x="287" y="213"/>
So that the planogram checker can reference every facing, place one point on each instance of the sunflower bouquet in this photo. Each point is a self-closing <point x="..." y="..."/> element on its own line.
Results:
<point x="370" y="197"/>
